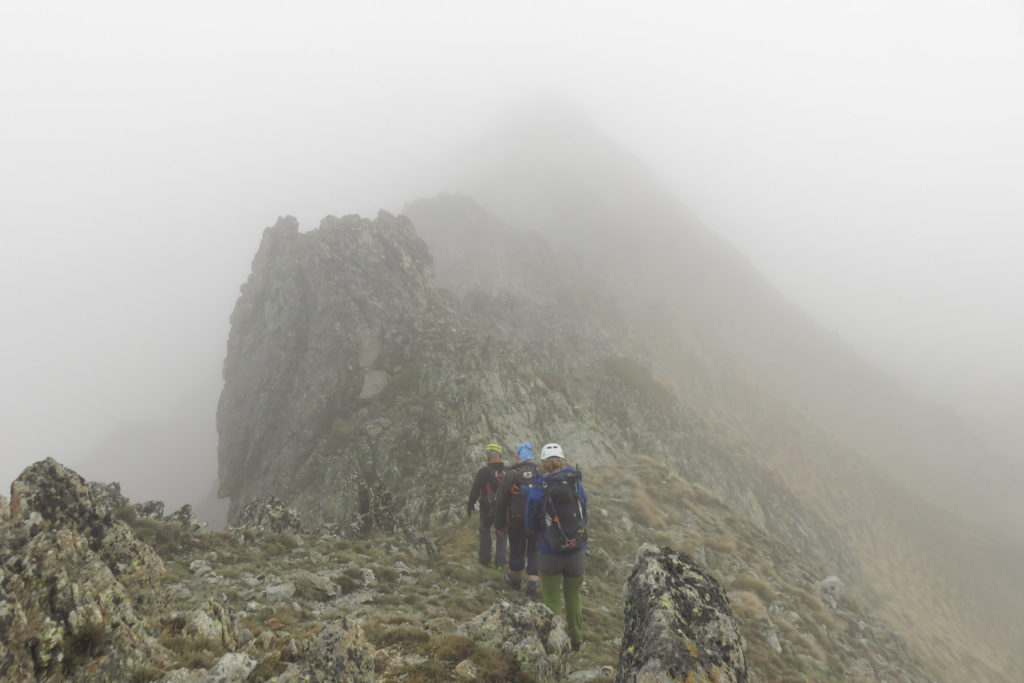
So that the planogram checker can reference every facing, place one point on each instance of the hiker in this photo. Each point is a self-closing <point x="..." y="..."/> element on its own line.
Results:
<point x="556" y="510"/>
<point x="510" y="515"/>
<point x="485" y="488"/>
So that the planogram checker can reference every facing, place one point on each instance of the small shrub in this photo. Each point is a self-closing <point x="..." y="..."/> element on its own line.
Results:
<point x="408" y="637"/>
<point x="268" y="667"/>
<point x="127" y="514"/>
<point x="145" y="673"/>
<point x="89" y="641"/>
<point x="450" y="648"/>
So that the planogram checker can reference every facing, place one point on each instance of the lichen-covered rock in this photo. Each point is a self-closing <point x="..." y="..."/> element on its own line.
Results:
<point x="58" y="590"/>
<point x="341" y="653"/>
<point x="234" y="667"/>
<point x="64" y="558"/>
<point x="108" y="496"/>
<point x="268" y="513"/>
<point x="48" y="495"/>
<point x="529" y="632"/>
<point x="312" y="586"/>
<point x="678" y="625"/>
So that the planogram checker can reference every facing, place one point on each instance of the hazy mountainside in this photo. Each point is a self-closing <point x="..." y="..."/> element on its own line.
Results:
<point x="932" y="573"/>
<point x="602" y="316"/>
<point x="603" y="207"/>
<point x="350" y="373"/>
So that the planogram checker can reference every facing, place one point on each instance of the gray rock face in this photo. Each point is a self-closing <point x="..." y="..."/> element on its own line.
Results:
<point x="678" y="625"/>
<point x="528" y="631"/>
<point x="349" y="374"/>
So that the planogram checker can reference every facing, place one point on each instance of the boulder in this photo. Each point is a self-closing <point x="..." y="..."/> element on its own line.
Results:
<point x="832" y="589"/>
<point x="529" y="632"/>
<point x="341" y="653"/>
<point x="234" y="667"/>
<point x="48" y="495"/>
<point x="678" y="625"/>
<point x="310" y="586"/>
<point x="107" y="496"/>
<point x="281" y="592"/>
<point x="64" y="557"/>
<point x="268" y="513"/>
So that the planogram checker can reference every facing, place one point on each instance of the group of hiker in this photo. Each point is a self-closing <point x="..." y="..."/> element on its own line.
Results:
<point x="539" y="515"/>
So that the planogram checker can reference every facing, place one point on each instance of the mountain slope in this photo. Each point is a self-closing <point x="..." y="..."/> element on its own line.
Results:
<point x="362" y="362"/>
<point x="599" y="204"/>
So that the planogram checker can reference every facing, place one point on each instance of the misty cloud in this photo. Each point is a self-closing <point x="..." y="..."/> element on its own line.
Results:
<point x="867" y="158"/>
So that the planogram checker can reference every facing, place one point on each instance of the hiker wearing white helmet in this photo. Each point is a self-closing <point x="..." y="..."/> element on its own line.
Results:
<point x="556" y="510"/>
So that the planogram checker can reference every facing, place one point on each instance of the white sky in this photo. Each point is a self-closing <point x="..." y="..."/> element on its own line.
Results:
<point x="868" y="157"/>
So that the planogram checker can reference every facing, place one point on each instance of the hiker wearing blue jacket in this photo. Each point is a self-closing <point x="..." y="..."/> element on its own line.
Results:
<point x="556" y="511"/>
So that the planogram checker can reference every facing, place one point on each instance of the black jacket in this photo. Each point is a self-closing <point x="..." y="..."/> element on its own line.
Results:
<point x="484" y="476"/>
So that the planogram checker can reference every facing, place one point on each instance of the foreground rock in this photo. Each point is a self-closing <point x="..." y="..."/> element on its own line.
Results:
<point x="529" y="631"/>
<point x="63" y="595"/>
<point x="678" y="625"/>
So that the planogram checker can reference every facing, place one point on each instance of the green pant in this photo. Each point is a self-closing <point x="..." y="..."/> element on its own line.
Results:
<point x="552" y="587"/>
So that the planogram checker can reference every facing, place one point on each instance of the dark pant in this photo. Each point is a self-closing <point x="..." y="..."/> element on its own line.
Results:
<point x="522" y="550"/>
<point x="500" y="541"/>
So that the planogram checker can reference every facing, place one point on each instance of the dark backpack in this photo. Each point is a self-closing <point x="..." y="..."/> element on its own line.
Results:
<point x="493" y="486"/>
<point x="565" y="512"/>
<point x="522" y="479"/>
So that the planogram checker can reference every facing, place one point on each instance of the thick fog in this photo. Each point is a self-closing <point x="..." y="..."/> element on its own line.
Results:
<point x="868" y="157"/>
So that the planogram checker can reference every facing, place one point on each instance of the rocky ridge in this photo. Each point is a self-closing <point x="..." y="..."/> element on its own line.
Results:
<point x="435" y="366"/>
<point x="258" y="604"/>
<point x="250" y="603"/>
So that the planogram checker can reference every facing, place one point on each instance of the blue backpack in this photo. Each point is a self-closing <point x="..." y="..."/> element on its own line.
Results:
<point x="565" y="512"/>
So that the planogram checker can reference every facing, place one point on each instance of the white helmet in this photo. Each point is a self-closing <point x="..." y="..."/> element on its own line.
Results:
<point x="551" y="450"/>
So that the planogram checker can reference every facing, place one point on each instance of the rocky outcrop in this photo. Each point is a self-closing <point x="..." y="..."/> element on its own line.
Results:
<point x="349" y="375"/>
<point x="678" y="625"/>
<point x="341" y="653"/>
<point x="65" y="563"/>
<point x="529" y="632"/>
<point x="268" y="513"/>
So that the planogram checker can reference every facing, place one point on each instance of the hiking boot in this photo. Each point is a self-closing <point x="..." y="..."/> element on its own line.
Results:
<point x="576" y="647"/>
<point x="515" y="585"/>
<point x="532" y="590"/>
